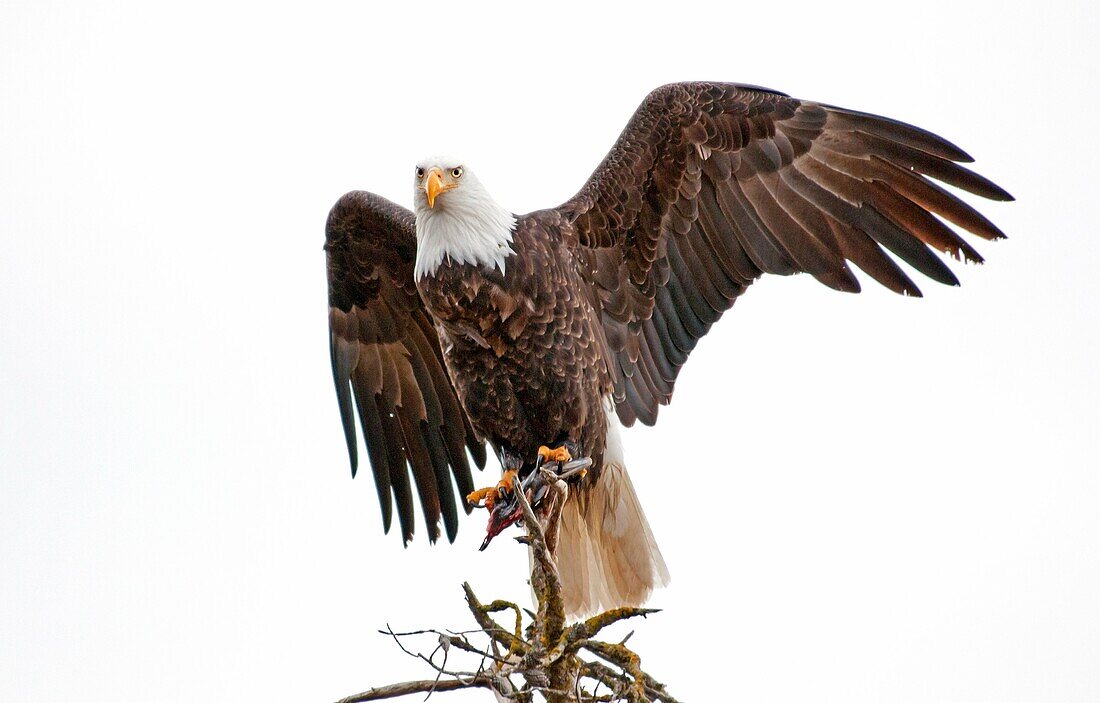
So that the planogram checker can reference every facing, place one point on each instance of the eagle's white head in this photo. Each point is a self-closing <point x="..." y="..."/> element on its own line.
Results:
<point x="456" y="219"/>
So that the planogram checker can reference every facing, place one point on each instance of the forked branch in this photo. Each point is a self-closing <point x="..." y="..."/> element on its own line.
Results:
<point x="540" y="661"/>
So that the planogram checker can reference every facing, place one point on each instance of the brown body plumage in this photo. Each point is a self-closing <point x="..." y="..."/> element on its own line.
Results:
<point x="525" y="349"/>
<point x="600" y="301"/>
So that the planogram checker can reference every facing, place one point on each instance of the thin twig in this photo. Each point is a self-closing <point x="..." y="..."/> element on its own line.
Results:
<point x="410" y="687"/>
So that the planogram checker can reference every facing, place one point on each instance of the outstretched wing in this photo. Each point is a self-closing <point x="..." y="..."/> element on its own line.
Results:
<point x="386" y="355"/>
<point x="713" y="184"/>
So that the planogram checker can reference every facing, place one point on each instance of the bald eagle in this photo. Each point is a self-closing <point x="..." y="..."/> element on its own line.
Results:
<point x="460" y="323"/>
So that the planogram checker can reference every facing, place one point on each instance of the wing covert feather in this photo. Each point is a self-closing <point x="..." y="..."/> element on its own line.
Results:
<point x="711" y="185"/>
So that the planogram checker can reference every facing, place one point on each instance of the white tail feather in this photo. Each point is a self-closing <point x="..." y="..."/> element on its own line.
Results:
<point x="606" y="553"/>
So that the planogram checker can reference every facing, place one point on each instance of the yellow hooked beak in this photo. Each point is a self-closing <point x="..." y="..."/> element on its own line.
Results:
<point x="433" y="185"/>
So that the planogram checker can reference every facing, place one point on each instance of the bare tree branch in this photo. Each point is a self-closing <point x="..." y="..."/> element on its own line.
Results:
<point x="410" y="687"/>
<point x="544" y="656"/>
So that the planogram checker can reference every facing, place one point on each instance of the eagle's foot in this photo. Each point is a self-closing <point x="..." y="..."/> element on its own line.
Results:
<point x="504" y="506"/>
<point x="491" y="494"/>
<point x="560" y="454"/>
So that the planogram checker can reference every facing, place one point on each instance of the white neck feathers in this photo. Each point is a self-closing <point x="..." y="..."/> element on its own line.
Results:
<point x="466" y="228"/>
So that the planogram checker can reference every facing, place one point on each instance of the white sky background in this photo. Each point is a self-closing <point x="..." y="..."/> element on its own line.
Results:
<point x="879" y="498"/>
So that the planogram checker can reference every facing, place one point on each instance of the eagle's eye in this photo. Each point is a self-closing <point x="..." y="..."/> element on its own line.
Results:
<point x="419" y="172"/>
<point x="456" y="172"/>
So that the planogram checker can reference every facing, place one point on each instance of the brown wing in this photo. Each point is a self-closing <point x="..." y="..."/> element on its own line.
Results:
<point x="385" y="354"/>
<point x="713" y="184"/>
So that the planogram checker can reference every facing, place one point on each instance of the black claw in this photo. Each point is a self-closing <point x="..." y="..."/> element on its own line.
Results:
<point x="505" y="510"/>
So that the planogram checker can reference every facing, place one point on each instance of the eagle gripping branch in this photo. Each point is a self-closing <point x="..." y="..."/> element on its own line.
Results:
<point x="542" y="661"/>
<point x="500" y="500"/>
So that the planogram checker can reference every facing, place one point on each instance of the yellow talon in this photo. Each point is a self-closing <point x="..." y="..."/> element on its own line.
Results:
<point x="481" y="494"/>
<point x="491" y="493"/>
<point x="507" y="480"/>
<point x="561" y="454"/>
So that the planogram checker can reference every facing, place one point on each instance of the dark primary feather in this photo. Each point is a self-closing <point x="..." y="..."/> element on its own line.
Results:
<point x="711" y="185"/>
<point x="387" y="361"/>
